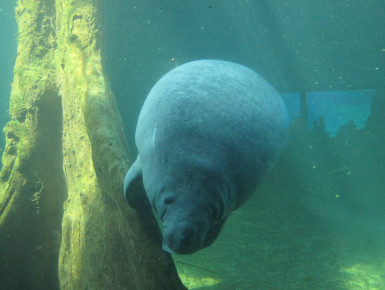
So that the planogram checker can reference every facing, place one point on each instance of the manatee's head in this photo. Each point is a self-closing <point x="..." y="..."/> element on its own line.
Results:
<point x="193" y="214"/>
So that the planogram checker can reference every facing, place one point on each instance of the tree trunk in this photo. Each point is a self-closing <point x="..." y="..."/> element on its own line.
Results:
<point x="65" y="149"/>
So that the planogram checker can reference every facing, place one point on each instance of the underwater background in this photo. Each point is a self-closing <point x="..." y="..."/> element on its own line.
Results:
<point x="8" y="46"/>
<point x="317" y="222"/>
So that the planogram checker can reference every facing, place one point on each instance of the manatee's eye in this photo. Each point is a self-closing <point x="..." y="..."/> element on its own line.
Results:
<point x="213" y="211"/>
<point x="163" y="201"/>
<point x="168" y="200"/>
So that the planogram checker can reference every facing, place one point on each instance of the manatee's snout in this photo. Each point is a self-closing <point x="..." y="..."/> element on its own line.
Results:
<point x="183" y="238"/>
<point x="185" y="224"/>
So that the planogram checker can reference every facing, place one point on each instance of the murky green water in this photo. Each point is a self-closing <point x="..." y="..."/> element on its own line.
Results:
<point x="318" y="220"/>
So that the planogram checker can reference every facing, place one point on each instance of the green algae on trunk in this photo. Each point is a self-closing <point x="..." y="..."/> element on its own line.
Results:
<point x="63" y="220"/>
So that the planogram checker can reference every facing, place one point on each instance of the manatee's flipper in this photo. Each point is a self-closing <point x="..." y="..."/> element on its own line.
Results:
<point x="134" y="191"/>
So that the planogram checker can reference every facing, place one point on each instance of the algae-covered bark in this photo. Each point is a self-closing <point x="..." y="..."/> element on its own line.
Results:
<point x="104" y="244"/>
<point x="65" y="150"/>
<point x="32" y="181"/>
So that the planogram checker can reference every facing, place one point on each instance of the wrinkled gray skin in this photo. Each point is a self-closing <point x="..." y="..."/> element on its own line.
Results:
<point x="206" y="135"/>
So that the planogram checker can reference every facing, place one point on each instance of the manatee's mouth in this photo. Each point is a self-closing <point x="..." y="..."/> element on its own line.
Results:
<point x="183" y="238"/>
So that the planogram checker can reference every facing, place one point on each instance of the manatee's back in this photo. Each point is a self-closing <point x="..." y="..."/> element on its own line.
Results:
<point x="217" y="112"/>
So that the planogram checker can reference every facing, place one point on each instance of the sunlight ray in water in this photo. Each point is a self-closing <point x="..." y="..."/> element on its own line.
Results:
<point x="365" y="276"/>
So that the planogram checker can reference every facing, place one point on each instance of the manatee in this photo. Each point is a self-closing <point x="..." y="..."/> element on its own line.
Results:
<point x="207" y="134"/>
